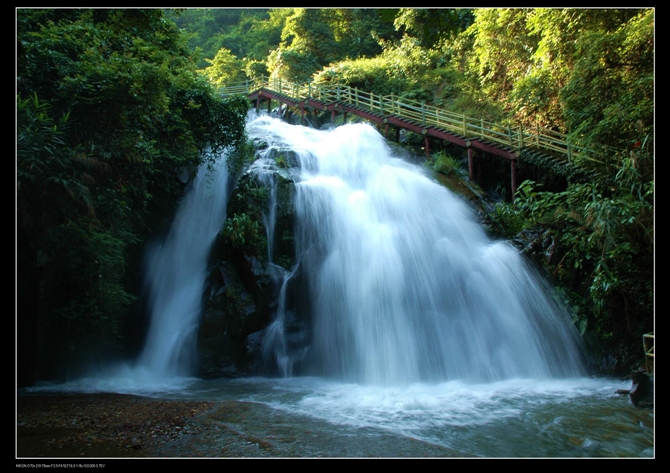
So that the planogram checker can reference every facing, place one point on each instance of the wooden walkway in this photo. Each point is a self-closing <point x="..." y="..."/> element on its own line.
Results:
<point x="399" y="113"/>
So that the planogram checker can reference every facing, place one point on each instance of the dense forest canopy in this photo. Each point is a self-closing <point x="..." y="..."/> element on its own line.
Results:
<point x="113" y="103"/>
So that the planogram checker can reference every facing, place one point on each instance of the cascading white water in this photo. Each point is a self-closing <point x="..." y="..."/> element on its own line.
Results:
<point x="405" y="285"/>
<point x="275" y="349"/>
<point x="176" y="271"/>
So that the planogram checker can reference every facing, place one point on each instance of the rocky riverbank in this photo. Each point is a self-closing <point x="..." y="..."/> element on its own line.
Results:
<point x="121" y="426"/>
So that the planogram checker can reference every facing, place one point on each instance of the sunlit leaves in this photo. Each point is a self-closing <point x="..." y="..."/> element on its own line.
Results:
<point x="502" y="49"/>
<point x="432" y="26"/>
<point x="224" y="69"/>
<point x="609" y="96"/>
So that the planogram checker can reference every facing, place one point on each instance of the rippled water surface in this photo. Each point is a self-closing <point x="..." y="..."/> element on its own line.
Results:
<point x="580" y="417"/>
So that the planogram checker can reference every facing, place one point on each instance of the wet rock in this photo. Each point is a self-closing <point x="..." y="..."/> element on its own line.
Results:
<point x="642" y="392"/>
<point x="242" y="287"/>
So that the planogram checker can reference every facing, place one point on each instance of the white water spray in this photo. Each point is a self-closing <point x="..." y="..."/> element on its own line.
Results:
<point x="405" y="285"/>
<point x="176" y="272"/>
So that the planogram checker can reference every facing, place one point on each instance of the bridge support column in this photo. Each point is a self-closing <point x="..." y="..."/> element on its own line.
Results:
<point x="332" y="116"/>
<point x="471" y="164"/>
<point x="426" y="145"/>
<point x="269" y="106"/>
<point x="513" y="169"/>
<point x="397" y="135"/>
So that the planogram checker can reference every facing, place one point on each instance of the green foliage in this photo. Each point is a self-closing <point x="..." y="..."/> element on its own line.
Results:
<point x="136" y="106"/>
<point x="47" y="167"/>
<point x="431" y="26"/>
<point x="246" y="234"/>
<point x="445" y="164"/>
<point x="501" y="50"/>
<point x="243" y="229"/>
<point x="224" y="69"/>
<point x="292" y="65"/>
<point x="245" y="32"/>
<point x="262" y="34"/>
<point x="92" y="269"/>
<point x="254" y="69"/>
<point x="560" y="68"/>
<point x="308" y="43"/>
<point x="360" y="32"/>
<point x="312" y="38"/>
<point x="286" y="42"/>
<point x="281" y="162"/>
<point x="403" y="69"/>
<point x="609" y="97"/>
<point x="508" y="221"/>
<point x="373" y="75"/>
<point x="243" y="154"/>
<point x="534" y="99"/>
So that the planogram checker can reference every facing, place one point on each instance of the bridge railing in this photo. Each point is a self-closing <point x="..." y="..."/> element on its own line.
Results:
<point x="419" y="112"/>
<point x="648" y="345"/>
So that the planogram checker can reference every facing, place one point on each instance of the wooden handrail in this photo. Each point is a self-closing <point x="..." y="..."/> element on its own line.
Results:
<point x="413" y="110"/>
<point x="648" y="345"/>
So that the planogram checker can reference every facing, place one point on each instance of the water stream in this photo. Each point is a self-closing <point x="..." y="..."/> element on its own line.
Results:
<point x="427" y="337"/>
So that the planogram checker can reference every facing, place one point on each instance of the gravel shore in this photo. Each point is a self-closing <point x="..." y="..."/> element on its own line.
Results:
<point x="122" y="426"/>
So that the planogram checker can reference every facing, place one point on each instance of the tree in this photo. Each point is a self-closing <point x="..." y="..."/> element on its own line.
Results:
<point x="502" y="50"/>
<point x="609" y="96"/>
<point x="308" y="43"/>
<point x="224" y="69"/>
<point x="210" y="29"/>
<point x="432" y="26"/>
<point x="313" y="38"/>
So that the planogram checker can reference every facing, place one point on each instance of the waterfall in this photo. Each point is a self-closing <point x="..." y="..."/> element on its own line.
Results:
<point x="404" y="284"/>
<point x="176" y="272"/>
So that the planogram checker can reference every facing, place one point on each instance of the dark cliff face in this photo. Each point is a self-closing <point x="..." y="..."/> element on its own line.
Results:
<point x="242" y="289"/>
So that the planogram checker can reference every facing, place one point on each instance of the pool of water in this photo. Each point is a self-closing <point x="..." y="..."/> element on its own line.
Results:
<point x="309" y="416"/>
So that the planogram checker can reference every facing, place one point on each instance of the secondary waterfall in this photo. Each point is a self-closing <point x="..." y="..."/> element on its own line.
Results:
<point x="405" y="286"/>
<point x="176" y="271"/>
